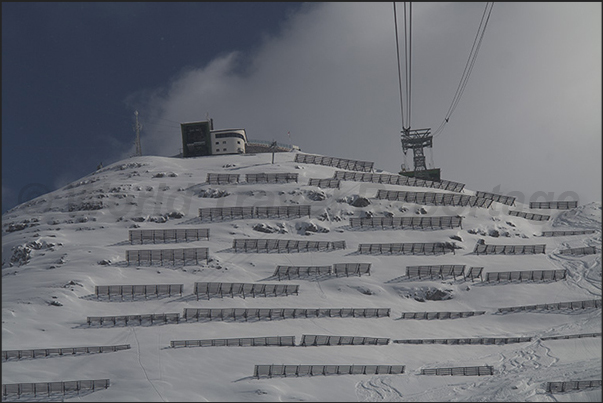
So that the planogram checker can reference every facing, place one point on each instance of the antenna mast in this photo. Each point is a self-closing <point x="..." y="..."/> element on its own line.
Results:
<point x="137" y="128"/>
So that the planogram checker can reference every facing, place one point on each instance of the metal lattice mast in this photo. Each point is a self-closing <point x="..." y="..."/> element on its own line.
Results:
<point x="417" y="140"/>
<point x="137" y="128"/>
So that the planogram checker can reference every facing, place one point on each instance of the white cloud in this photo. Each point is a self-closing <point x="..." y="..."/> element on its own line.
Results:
<point x="529" y="118"/>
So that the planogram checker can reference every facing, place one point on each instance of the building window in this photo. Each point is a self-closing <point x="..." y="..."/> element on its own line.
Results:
<point x="230" y="134"/>
<point x="217" y="142"/>
<point x="223" y="142"/>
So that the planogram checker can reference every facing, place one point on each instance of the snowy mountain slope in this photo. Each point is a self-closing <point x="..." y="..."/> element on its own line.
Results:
<point x="58" y="247"/>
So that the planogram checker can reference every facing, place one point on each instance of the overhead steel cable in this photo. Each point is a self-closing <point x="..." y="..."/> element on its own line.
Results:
<point x="408" y="56"/>
<point x="468" y="66"/>
<point x="399" y="72"/>
<point x="405" y="95"/>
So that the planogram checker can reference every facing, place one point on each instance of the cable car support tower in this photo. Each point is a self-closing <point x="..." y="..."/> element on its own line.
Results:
<point x="419" y="139"/>
<point x="412" y="139"/>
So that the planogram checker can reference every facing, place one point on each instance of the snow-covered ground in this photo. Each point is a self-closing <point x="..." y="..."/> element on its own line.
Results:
<point x="59" y="246"/>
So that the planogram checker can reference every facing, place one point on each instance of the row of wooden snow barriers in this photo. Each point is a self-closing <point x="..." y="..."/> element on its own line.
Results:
<point x="350" y="165"/>
<point x="284" y="341"/>
<point x="493" y="340"/>
<point x="585" y="304"/>
<point x="566" y="386"/>
<point x="401" y="180"/>
<point x="442" y="271"/>
<point x="310" y="340"/>
<point x="527" y="275"/>
<point x="509" y="249"/>
<point x="273" y="370"/>
<point x="325" y="183"/>
<point x="336" y="269"/>
<point x="210" y="289"/>
<point x="190" y="256"/>
<point x="244" y="289"/>
<point x="438" y="222"/>
<point x="433" y="198"/>
<point x="165" y="235"/>
<point x="199" y="314"/>
<point x="559" y="205"/>
<point x="440" y="315"/>
<point x="8" y="355"/>
<point x="508" y="200"/>
<point x="466" y="371"/>
<point x="234" y="314"/>
<point x="406" y="248"/>
<point x="50" y="388"/>
<point x="277" y="177"/>
<point x="569" y="232"/>
<point x="222" y="213"/>
<point x="529" y="216"/>
<point x="223" y="179"/>
<point x="282" y="370"/>
<point x="586" y="250"/>
<point x="133" y="291"/>
<point x="207" y="289"/>
<point x="285" y="245"/>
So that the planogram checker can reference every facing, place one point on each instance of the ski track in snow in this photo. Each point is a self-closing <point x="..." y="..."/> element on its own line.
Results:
<point x="376" y="389"/>
<point x="141" y="366"/>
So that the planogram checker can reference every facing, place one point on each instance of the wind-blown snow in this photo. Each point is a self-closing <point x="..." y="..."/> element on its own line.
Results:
<point x="58" y="247"/>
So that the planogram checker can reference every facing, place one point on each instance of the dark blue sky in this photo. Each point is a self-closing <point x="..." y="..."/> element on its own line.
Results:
<point x="68" y="69"/>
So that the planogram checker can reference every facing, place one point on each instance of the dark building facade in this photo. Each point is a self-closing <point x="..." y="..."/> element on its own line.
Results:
<point x="196" y="138"/>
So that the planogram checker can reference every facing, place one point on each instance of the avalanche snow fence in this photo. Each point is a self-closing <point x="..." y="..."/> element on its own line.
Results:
<point x="48" y="388"/>
<point x="440" y="315"/>
<point x="586" y="304"/>
<point x="336" y="269"/>
<point x="441" y="271"/>
<point x="405" y="248"/>
<point x="276" y="341"/>
<point x="527" y="275"/>
<point x="222" y="179"/>
<point x="467" y="371"/>
<point x="208" y="314"/>
<point x="284" y="245"/>
<point x="569" y="232"/>
<point x="401" y="180"/>
<point x="49" y="352"/>
<point x="325" y="183"/>
<point x="529" y="216"/>
<point x="432" y="198"/>
<point x="509" y="249"/>
<point x="327" y="340"/>
<point x="217" y="289"/>
<point x="508" y="200"/>
<point x="222" y="213"/>
<point x="587" y="250"/>
<point x="272" y="370"/>
<point x="439" y="222"/>
<point x="466" y="340"/>
<point x="140" y="236"/>
<point x="133" y="320"/>
<point x="558" y="205"/>
<point x="350" y="165"/>
<point x="565" y="386"/>
<point x="278" y="177"/>
<point x="184" y="256"/>
<point x="136" y="290"/>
